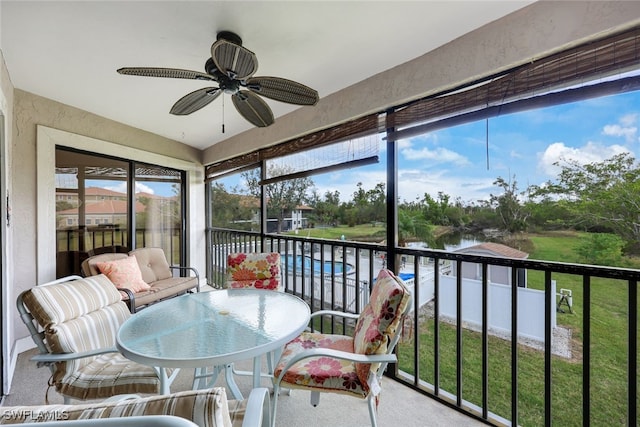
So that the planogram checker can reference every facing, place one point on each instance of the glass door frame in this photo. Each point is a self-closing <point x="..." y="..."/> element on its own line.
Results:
<point x="131" y="230"/>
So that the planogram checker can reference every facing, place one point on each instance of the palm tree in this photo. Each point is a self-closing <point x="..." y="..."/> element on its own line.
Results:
<point x="413" y="226"/>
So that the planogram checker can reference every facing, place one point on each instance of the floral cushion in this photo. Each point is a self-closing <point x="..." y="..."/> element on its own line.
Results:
<point x="377" y="324"/>
<point x="124" y="273"/>
<point x="380" y="319"/>
<point x="254" y="270"/>
<point x="322" y="373"/>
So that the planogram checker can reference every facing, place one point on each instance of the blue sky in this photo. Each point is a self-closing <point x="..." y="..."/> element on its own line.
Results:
<point x="526" y="145"/>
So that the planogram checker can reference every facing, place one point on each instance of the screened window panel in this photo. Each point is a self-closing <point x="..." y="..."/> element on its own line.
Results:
<point x="351" y="130"/>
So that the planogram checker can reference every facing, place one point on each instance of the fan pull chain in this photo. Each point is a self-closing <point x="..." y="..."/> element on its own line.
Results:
<point x="223" y="114"/>
<point x="486" y="134"/>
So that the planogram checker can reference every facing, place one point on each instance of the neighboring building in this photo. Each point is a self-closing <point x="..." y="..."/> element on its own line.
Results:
<point x="105" y="207"/>
<point x="297" y="220"/>
<point x="496" y="273"/>
<point x="108" y="212"/>
<point x="91" y="194"/>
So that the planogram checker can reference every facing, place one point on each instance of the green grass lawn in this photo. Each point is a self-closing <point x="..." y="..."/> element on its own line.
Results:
<point x="608" y="359"/>
<point x="362" y="232"/>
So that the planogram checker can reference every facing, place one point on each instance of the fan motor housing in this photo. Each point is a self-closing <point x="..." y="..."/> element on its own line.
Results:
<point x="229" y="36"/>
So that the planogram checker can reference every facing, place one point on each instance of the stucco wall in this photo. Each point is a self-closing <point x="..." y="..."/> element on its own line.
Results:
<point x="31" y="112"/>
<point x="531" y="32"/>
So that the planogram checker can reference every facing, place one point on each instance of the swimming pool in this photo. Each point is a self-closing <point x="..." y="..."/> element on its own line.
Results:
<point x="309" y="264"/>
<point x="406" y="276"/>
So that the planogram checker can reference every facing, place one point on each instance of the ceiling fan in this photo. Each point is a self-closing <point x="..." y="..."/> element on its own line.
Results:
<point x="232" y="67"/>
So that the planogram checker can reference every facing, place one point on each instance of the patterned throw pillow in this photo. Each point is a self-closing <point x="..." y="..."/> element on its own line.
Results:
<point x="124" y="273"/>
<point x="380" y="319"/>
<point x="254" y="270"/>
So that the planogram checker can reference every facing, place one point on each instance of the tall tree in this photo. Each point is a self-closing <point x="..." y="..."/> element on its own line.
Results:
<point x="435" y="211"/>
<point x="511" y="212"/>
<point x="377" y="199"/>
<point x="367" y="205"/>
<point x="603" y="194"/>
<point x="325" y="210"/>
<point x="232" y="210"/>
<point x="282" y="196"/>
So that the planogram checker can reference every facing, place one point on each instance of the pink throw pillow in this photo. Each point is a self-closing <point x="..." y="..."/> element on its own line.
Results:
<point x="124" y="273"/>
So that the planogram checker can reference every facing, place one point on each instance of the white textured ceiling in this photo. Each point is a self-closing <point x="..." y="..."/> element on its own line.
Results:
<point x="69" y="51"/>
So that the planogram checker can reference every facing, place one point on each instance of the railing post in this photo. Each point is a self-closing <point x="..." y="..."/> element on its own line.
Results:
<point x="632" y="370"/>
<point x="548" y="306"/>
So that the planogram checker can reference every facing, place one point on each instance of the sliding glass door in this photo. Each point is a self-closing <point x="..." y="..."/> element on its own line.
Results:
<point x="100" y="201"/>
<point x="159" y="210"/>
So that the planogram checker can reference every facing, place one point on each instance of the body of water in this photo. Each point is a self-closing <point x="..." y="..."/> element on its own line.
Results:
<point x="452" y="241"/>
<point x="309" y="263"/>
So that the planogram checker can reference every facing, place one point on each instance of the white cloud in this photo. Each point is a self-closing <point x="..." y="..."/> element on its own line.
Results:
<point x="590" y="153"/>
<point x="345" y="182"/>
<point x="404" y="144"/>
<point x="625" y="128"/>
<point x="413" y="184"/>
<point x="140" y="188"/>
<point x="439" y="155"/>
<point x="629" y="119"/>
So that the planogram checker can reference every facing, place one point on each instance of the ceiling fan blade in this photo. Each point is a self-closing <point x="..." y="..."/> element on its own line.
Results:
<point x="283" y="90"/>
<point x="195" y="100"/>
<point x="175" y="73"/>
<point x="233" y="60"/>
<point x="253" y="108"/>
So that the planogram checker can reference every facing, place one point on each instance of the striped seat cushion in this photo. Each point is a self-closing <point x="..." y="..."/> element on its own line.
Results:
<point x="82" y="315"/>
<point x="206" y="408"/>
<point x="104" y="376"/>
<point x="57" y="303"/>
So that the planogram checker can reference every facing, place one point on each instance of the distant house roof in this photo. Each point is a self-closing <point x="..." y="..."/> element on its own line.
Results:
<point x="247" y="201"/>
<point x="104" y="207"/>
<point x="98" y="191"/>
<point x="493" y="249"/>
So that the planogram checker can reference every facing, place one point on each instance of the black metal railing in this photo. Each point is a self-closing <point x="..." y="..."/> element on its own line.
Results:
<point x="76" y="244"/>
<point x="492" y="350"/>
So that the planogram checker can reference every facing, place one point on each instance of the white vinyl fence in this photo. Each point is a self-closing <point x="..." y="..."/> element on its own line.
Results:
<point x="530" y="306"/>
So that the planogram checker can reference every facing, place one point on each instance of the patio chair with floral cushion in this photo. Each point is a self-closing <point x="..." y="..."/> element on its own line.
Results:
<point x="351" y="365"/>
<point x="259" y="270"/>
<point x="74" y="322"/>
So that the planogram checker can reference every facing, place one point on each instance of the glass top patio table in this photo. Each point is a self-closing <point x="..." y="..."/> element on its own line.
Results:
<point x="212" y="328"/>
